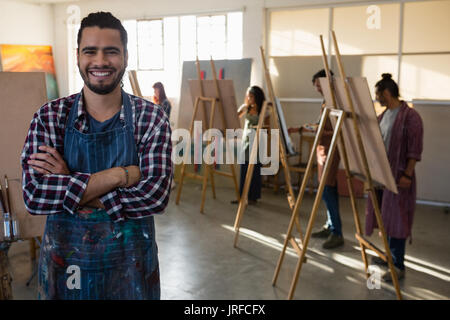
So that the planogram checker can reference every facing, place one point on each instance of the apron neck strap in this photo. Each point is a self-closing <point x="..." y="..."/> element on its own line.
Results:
<point x="127" y="109"/>
<point x="73" y="114"/>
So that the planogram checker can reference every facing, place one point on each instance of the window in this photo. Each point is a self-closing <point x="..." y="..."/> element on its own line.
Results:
<point x="425" y="77"/>
<point x="75" y="80"/>
<point x="409" y="39"/>
<point x="157" y="48"/>
<point x="150" y="46"/>
<point x="367" y="29"/>
<point x="297" y="32"/>
<point x="427" y="27"/>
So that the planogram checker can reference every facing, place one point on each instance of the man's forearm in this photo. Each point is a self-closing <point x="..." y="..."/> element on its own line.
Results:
<point x="96" y="203"/>
<point x="410" y="167"/>
<point x="101" y="183"/>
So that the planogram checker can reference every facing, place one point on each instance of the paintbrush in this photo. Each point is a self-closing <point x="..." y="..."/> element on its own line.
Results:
<point x="5" y="213"/>
<point x="2" y="202"/>
<point x="8" y="204"/>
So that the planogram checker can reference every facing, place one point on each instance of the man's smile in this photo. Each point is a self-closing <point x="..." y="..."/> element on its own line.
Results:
<point x="100" y="74"/>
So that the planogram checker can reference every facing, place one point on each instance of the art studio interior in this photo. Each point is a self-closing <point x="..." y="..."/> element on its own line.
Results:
<point x="224" y="150"/>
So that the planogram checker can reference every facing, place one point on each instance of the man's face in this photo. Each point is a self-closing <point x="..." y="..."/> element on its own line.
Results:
<point x="101" y="59"/>
<point x="317" y="86"/>
<point x="381" y="97"/>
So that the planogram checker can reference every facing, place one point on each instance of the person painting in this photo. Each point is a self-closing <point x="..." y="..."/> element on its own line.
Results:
<point x="98" y="163"/>
<point x="332" y="230"/>
<point x="250" y="109"/>
<point x="402" y="132"/>
<point x="159" y="97"/>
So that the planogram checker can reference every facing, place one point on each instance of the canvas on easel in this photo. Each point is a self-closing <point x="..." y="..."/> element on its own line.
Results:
<point x="229" y="102"/>
<point x="21" y="95"/>
<point x="350" y="150"/>
<point x="215" y="106"/>
<point x="288" y="145"/>
<point x="369" y="128"/>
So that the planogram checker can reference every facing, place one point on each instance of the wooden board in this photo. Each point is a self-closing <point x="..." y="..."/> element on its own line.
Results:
<point x="21" y="95"/>
<point x="432" y="171"/>
<point x="286" y="138"/>
<point x="368" y="126"/>
<point x="226" y="88"/>
<point x="132" y="75"/>
<point x="238" y="70"/>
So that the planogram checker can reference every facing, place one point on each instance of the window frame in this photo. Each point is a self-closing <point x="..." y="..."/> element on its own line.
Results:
<point x="138" y="68"/>
<point x="331" y="8"/>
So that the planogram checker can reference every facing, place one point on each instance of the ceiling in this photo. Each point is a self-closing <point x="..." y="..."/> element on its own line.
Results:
<point x="45" y="1"/>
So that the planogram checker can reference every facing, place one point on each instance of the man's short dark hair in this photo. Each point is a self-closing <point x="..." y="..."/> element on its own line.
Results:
<point x="321" y="74"/>
<point x="103" y="20"/>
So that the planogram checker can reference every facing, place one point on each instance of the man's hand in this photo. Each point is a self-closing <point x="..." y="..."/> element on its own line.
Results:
<point x="309" y="127"/>
<point x="96" y="203"/>
<point x="49" y="162"/>
<point x="404" y="182"/>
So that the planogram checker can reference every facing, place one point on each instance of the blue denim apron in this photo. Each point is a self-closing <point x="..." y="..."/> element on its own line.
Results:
<point x="86" y="256"/>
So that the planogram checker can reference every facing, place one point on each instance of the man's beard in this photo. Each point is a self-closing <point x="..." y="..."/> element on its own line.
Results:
<point x="101" y="89"/>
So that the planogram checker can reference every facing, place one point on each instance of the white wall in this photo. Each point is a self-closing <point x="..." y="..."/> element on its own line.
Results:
<point x="24" y="23"/>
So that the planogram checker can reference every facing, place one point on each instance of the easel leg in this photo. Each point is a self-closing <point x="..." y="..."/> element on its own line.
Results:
<point x="305" y="242"/>
<point x="211" y="175"/>
<point x="183" y="165"/>
<point x="386" y="244"/>
<point x="288" y="234"/>
<point x="308" y="172"/>
<point x="242" y="205"/>
<point x="236" y="186"/>
<point x="353" y="202"/>
<point x="180" y="183"/>
<point x="316" y="201"/>
<point x="248" y="176"/>
<point x="205" y="183"/>
<point x="244" y="197"/>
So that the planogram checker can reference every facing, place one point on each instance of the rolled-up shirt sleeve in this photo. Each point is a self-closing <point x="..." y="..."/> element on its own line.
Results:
<point x="151" y="194"/>
<point x="48" y="193"/>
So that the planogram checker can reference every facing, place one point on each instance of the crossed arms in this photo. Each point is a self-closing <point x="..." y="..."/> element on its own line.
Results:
<point x="49" y="187"/>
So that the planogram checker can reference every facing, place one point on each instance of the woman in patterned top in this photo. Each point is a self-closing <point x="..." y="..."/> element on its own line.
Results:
<point x="251" y="109"/>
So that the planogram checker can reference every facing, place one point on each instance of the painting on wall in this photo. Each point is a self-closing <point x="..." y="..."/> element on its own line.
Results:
<point x="30" y="58"/>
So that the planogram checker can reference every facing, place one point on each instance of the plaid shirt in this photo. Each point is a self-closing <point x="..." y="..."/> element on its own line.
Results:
<point x="57" y="193"/>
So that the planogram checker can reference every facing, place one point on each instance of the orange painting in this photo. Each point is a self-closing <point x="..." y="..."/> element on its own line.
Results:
<point x="30" y="58"/>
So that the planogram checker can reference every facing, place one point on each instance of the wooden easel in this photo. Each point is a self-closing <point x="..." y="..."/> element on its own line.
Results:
<point x="134" y="83"/>
<point x="337" y="138"/>
<point x="253" y="154"/>
<point x="209" y="169"/>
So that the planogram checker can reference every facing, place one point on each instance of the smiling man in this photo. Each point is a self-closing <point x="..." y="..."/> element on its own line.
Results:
<point x="98" y="164"/>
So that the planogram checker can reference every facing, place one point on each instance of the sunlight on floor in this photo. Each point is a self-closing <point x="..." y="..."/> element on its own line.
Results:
<point x="275" y="244"/>
<point x="425" y="268"/>
<point x="411" y="262"/>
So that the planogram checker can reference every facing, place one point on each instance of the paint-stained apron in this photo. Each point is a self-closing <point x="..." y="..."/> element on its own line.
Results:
<point x="86" y="255"/>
